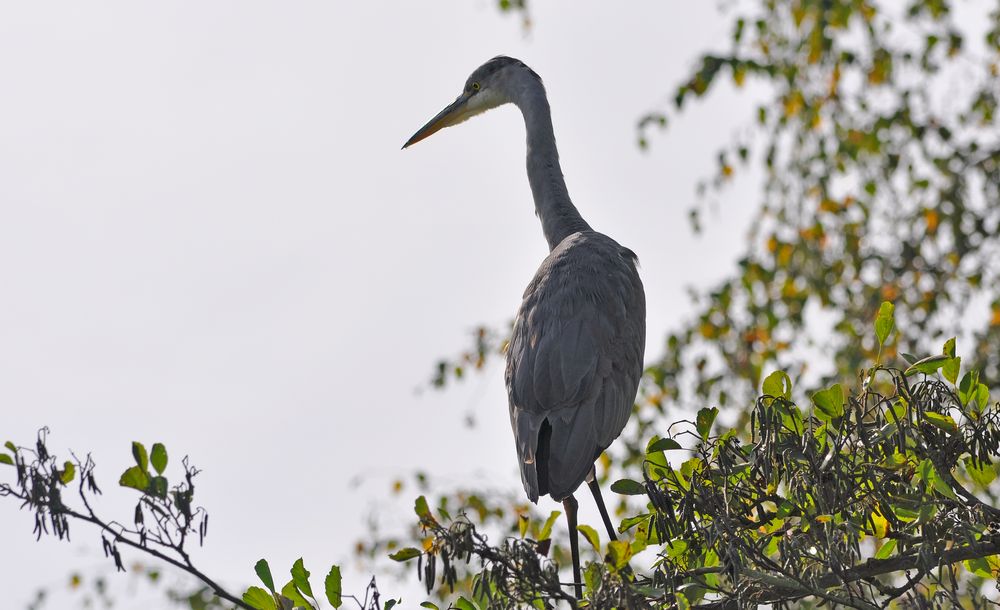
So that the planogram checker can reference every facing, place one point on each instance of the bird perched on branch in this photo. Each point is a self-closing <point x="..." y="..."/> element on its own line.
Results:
<point x="575" y="356"/>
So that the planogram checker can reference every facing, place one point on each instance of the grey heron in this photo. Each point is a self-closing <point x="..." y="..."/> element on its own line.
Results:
<point x="575" y="356"/>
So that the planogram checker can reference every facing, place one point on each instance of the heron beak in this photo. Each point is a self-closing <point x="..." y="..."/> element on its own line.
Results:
<point x="453" y="114"/>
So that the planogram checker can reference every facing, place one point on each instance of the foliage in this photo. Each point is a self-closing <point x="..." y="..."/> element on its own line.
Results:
<point x="883" y="494"/>
<point x="881" y="160"/>
<point x="882" y="170"/>
<point x="165" y="520"/>
<point x="858" y="501"/>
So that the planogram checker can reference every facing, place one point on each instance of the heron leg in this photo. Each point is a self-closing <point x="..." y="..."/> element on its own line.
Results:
<point x="570" y="504"/>
<point x="595" y="488"/>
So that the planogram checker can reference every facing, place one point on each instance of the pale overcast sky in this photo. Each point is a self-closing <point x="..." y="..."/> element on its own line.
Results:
<point x="210" y="238"/>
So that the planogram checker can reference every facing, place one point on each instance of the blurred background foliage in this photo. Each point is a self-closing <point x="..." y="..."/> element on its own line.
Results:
<point x="880" y="150"/>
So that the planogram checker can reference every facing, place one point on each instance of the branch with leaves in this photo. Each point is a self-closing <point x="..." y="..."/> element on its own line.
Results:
<point x="164" y="522"/>
<point x="868" y="498"/>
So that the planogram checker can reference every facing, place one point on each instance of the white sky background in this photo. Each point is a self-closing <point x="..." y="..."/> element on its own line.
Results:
<point x="210" y="238"/>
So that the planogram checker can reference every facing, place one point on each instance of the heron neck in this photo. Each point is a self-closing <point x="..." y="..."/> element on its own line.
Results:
<point x="559" y="216"/>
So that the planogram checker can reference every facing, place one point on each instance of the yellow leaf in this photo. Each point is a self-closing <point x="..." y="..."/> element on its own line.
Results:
<point x="708" y="331"/>
<point x="798" y="14"/>
<point x="816" y="43"/>
<point x="605" y="461"/>
<point x="739" y="75"/>
<point x="784" y="255"/>
<point x="932" y="218"/>
<point x="889" y="292"/>
<point x="835" y="80"/>
<point x="793" y="104"/>
<point x="829" y="205"/>
<point x="881" y="66"/>
<point x="881" y="525"/>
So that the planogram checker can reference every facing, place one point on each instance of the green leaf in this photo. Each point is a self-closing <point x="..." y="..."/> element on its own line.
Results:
<point x="949" y="348"/>
<point x="784" y="509"/>
<point x="139" y="453"/>
<point x="546" y="532"/>
<point x="951" y="369"/>
<point x="886" y="549"/>
<point x="11" y="446"/>
<point x="405" y="554"/>
<point x="6" y="459"/>
<point x="463" y="604"/>
<point x="905" y="514"/>
<point x="925" y="472"/>
<point x="944" y="422"/>
<point x="928" y="365"/>
<point x="982" y="396"/>
<point x="300" y="576"/>
<point x="682" y="602"/>
<point x="778" y="384"/>
<point x="885" y="321"/>
<point x="663" y="444"/>
<point x="332" y="585"/>
<point x="979" y="566"/>
<point x="135" y="477"/>
<point x="423" y="511"/>
<point x="674" y="548"/>
<point x="389" y="604"/>
<point x="704" y="421"/>
<point x="943" y="488"/>
<point x="591" y="535"/>
<point x="628" y="487"/>
<point x="68" y="472"/>
<point x="259" y="598"/>
<point x="630" y="522"/>
<point x="264" y="573"/>
<point x="927" y="512"/>
<point x="159" y="458"/>
<point x="982" y="476"/>
<point x="430" y="605"/>
<point x="592" y="575"/>
<point x="656" y="462"/>
<point x="158" y="487"/>
<point x="968" y="387"/>
<point x="619" y="552"/>
<point x="830" y="402"/>
<point x="292" y="592"/>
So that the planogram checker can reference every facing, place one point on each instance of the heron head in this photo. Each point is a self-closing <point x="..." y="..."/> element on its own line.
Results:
<point x="490" y="85"/>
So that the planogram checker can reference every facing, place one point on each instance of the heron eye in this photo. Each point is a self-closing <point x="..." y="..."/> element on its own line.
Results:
<point x="475" y="86"/>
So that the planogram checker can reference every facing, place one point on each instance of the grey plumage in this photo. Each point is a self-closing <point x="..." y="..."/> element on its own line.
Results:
<point x="574" y="360"/>
<point x="575" y="355"/>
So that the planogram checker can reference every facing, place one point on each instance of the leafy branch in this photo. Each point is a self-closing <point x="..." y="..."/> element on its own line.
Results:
<point x="859" y="500"/>
<point x="165" y="520"/>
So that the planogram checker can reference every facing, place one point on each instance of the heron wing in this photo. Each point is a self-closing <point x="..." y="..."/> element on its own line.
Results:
<point x="574" y="361"/>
